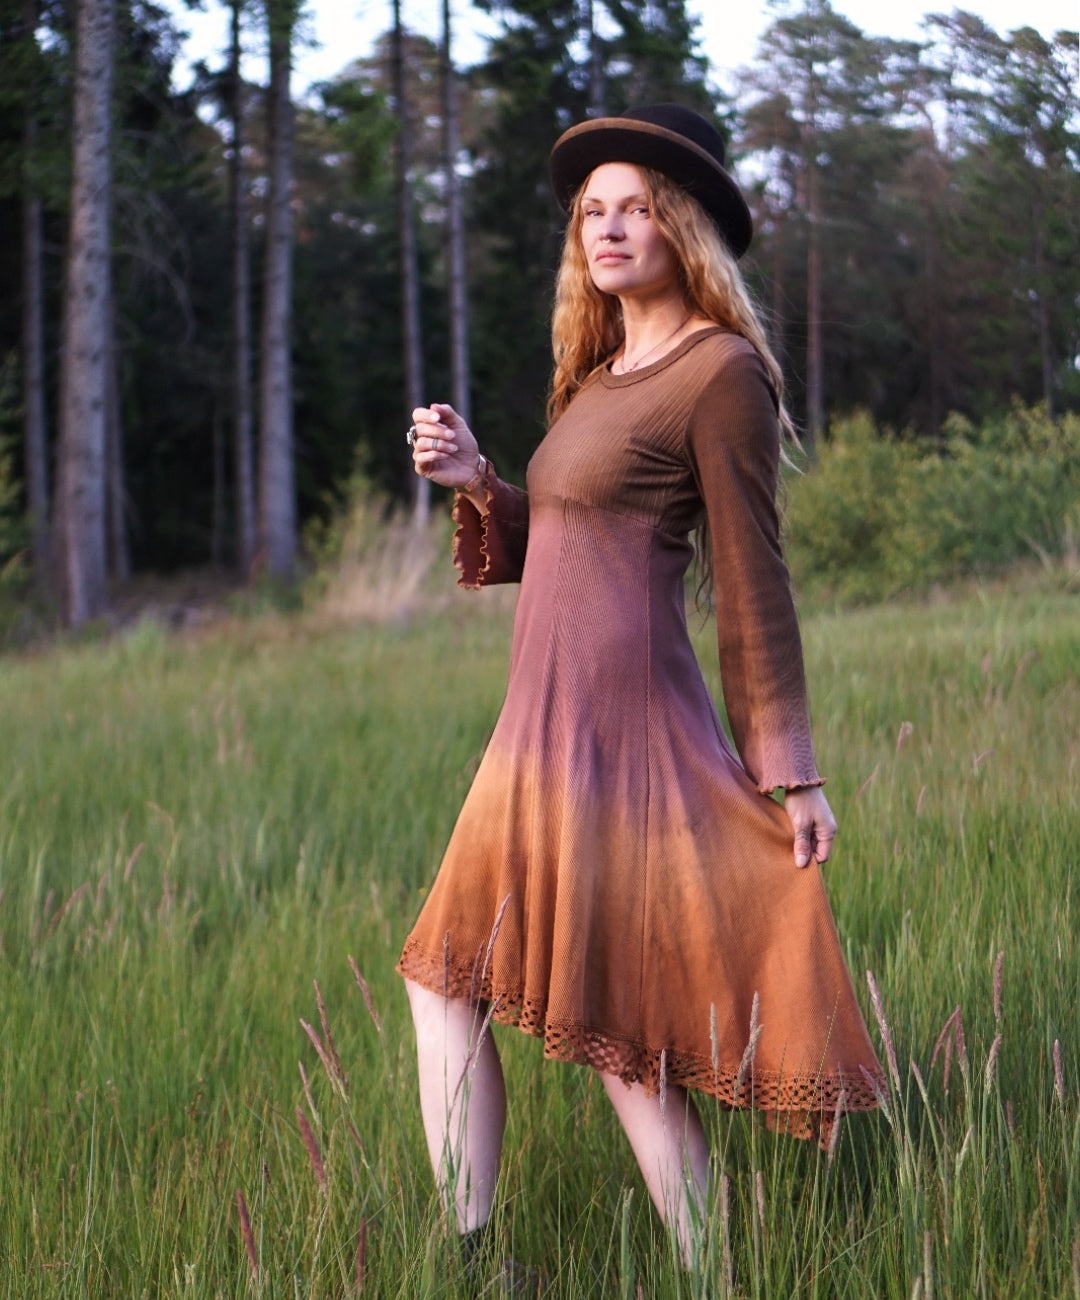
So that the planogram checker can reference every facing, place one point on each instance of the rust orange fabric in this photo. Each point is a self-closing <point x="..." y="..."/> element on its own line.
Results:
<point x="619" y="882"/>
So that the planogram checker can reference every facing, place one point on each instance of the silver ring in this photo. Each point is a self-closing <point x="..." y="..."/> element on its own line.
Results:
<point x="410" y="437"/>
<point x="434" y="444"/>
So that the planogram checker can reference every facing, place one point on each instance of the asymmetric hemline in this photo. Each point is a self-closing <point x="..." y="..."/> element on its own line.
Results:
<point x="619" y="883"/>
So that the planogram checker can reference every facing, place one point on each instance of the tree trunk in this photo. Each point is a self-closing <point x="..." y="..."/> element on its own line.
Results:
<point x="217" y="510"/>
<point x="934" y="219"/>
<point x="80" y="501"/>
<point x="33" y="376"/>
<point x="33" y="339"/>
<point x="277" y="492"/>
<point x="815" y="386"/>
<point x="815" y="360"/>
<point x="779" y="304"/>
<point x="1042" y="309"/>
<point x="596" y="66"/>
<point x="455" y="232"/>
<point x="410" y="275"/>
<point x="241" y="314"/>
<point x="116" y="499"/>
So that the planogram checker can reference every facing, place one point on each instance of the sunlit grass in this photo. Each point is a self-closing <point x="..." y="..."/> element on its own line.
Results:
<point x="194" y="831"/>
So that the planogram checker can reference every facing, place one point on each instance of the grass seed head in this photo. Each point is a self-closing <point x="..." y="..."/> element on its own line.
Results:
<point x="991" y="1065"/>
<point x="307" y="1092"/>
<point x="945" y="1044"/>
<point x="874" y="1083"/>
<point x="247" y="1234"/>
<point x="746" y="1065"/>
<point x="314" y="1155"/>
<point x="495" y="928"/>
<point x="338" y="1082"/>
<point x="961" y="1044"/>
<point x="965" y="1145"/>
<point x="886" y="1033"/>
<point x="129" y="866"/>
<point x="999" y="979"/>
<point x="328" y="1037"/>
<point x="369" y="1001"/>
<point x="1059" y="1073"/>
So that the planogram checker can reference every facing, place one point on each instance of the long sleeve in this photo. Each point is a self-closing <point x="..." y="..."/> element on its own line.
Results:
<point x="490" y="547"/>
<point x="733" y="440"/>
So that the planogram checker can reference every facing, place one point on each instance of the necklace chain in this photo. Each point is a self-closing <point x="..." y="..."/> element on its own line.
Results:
<point x="666" y="339"/>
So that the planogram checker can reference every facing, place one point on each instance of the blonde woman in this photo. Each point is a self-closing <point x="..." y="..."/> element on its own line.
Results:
<point x="620" y="882"/>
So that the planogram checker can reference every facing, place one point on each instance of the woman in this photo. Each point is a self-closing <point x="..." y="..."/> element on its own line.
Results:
<point x="619" y="881"/>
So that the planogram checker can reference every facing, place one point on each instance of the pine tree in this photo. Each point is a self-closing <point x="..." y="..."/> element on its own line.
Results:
<point x="79" y="535"/>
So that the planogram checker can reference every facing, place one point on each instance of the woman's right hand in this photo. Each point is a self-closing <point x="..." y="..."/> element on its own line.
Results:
<point x="444" y="449"/>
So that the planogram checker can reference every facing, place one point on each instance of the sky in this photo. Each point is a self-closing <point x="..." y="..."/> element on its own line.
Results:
<point x="342" y="30"/>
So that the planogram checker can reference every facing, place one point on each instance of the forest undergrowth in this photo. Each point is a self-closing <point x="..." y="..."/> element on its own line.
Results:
<point x="212" y="845"/>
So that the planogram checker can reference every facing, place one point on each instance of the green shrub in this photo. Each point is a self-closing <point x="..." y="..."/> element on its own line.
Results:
<point x="879" y="515"/>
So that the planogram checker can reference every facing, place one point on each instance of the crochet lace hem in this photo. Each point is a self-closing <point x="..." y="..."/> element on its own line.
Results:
<point x="801" y="1105"/>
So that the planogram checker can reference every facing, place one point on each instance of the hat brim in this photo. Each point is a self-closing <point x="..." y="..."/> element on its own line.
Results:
<point x="579" y="151"/>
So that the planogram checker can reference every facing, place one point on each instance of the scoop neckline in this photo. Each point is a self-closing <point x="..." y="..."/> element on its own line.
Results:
<point x="611" y="380"/>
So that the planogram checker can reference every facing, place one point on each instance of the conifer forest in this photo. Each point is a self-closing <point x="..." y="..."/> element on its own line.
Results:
<point x="219" y="301"/>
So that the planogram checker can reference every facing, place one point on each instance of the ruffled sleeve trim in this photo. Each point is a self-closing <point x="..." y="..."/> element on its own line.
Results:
<point x="489" y="545"/>
<point x="797" y="783"/>
<point x="782" y="757"/>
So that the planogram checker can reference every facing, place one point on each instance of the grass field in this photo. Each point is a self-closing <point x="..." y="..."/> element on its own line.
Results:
<point x="197" y="833"/>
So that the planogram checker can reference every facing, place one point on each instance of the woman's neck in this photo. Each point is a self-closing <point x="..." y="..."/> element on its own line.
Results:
<point x="650" y="330"/>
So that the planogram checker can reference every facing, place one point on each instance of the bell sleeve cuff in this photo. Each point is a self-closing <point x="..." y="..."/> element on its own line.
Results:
<point x="489" y="545"/>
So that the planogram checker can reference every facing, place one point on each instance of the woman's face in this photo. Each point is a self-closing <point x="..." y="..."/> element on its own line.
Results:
<point x="626" y="253"/>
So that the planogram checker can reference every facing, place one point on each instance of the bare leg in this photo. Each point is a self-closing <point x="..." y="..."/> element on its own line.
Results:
<point x="672" y="1150"/>
<point x="462" y="1101"/>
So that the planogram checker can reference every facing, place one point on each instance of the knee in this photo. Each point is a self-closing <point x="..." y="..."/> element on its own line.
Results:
<point x="436" y="1016"/>
<point x="426" y="1007"/>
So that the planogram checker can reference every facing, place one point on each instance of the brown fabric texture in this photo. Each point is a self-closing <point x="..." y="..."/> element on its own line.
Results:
<point x="618" y="881"/>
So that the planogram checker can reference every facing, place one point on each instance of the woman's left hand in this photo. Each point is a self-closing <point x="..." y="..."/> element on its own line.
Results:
<point x="812" y="821"/>
<point x="444" y="449"/>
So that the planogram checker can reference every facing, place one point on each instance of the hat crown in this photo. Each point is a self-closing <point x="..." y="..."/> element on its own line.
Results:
<point x="668" y="138"/>
<point x="685" y="122"/>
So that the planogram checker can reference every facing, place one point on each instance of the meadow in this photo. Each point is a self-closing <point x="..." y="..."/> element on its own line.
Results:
<point x="213" y="844"/>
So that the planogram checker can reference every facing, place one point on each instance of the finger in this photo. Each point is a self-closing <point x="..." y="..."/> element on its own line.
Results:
<point x="446" y="413"/>
<point x="804" y="844"/>
<point x="432" y="446"/>
<point x="823" y="846"/>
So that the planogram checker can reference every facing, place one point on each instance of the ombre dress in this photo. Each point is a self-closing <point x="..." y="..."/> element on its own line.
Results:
<point x="619" y="883"/>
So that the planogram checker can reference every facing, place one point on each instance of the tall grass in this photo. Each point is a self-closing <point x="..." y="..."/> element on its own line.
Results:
<point x="201" y="1095"/>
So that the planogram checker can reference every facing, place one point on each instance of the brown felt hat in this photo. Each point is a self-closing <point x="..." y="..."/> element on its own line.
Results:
<point x="668" y="138"/>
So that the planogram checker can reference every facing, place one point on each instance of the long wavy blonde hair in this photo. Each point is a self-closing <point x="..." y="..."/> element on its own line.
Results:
<point x="587" y="327"/>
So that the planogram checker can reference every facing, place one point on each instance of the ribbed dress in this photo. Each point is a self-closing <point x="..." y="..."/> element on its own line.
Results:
<point x="619" y="881"/>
